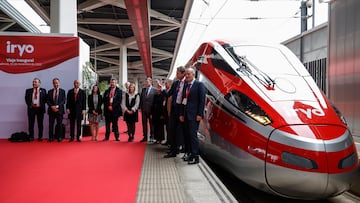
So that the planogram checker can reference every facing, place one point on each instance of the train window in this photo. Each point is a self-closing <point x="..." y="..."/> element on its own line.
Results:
<point x="220" y="63"/>
<point x="247" y="106"/>
<point x="267" y="59"/>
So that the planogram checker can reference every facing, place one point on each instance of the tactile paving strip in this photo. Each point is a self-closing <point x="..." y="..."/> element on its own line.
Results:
<point x="159" y="180"/>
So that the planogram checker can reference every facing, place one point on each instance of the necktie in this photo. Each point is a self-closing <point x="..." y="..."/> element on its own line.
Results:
<point x="185" y="90"/>
<point x="112" y="92"/>
<point x="188" y="86"/>
<point x="56" y="96"/>
<point x="179" y="91"/>
<point x="36" y="93"/>
<point x="76" y="94"/>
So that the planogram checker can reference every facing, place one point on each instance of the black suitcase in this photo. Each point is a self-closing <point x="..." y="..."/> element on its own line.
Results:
<point x="60" y="131"/>
<point x="86" y="130"/>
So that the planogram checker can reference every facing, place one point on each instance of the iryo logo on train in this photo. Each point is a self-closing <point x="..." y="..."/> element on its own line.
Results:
<point x="310" y="112"/>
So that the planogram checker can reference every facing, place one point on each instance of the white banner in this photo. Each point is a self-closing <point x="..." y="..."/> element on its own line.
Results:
<point x="23" y="58"/>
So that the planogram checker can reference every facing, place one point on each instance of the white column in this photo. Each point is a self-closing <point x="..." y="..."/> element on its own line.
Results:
<point x="123" y="69"/>
<point x="63" y="15"/>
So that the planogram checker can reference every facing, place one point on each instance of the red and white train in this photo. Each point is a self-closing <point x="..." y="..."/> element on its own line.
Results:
<point x="268" y="123"/>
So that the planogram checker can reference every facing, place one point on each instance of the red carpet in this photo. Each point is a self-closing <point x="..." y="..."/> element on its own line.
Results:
<point x="64" y="172"/>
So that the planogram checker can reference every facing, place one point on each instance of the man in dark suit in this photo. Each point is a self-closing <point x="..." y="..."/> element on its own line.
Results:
<point x="146" y="101"/>
<point x="75" y="107"/>
<point x="176" y="127"/>
<point x="167" y="84"/>
<point x="56" y="99"/>
<point x="112" y="109"/>
<point x="35" y="99"/>
<point x="193" y="104"/>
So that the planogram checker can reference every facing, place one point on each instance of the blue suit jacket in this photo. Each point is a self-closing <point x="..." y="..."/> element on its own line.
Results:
<point x="195" y="101"/>
<point x="60" y="101"/>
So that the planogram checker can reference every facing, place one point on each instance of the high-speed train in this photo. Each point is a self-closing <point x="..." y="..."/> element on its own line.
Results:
<point x="268" y="123"/>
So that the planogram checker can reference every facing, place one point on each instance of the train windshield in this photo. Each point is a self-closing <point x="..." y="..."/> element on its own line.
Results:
<point x="270" y="60"/>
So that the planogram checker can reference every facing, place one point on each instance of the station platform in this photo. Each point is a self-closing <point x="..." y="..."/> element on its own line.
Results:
<point x="173" y="180"/>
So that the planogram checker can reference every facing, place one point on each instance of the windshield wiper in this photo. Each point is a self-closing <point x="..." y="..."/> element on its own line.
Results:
<point x="266" y="80"/>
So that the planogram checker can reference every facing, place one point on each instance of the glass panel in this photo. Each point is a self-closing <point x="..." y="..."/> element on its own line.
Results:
<point x="270" y="60"/>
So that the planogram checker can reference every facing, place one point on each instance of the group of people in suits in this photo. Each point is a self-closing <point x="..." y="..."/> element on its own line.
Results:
<point x="187" y="110"/>
<point x="56" y="98"/>
<point x="74" y="104"/>
<point x="180" y="107"/>
<point x="153" y="104"/>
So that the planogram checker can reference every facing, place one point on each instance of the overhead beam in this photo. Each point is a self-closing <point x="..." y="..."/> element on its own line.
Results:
<point x="160" y="58"/>
<point x="101" y="36"/>
<point x="161" y="31"/>
<point x="34" y="4"/>
<point x="163" y="17"/>
<point x="155" y="51"/>
<point x="104" y="47"/>
<point x="116" y="53"/>
<point x="138" y="13"/>
<point x="108" y="60"/>
<point x="91" y="5"/>
<point x="5" y="25"/>
<point x="105" y="21"/>
<point x="9" y="10"/>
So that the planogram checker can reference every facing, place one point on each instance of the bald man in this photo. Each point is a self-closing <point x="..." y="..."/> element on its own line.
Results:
<point x="75" y="108"/>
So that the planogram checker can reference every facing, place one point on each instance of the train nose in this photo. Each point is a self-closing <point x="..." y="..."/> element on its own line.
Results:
<point x="311" y="162"/>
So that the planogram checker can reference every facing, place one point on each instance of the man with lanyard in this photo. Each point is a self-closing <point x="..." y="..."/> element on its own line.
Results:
<point x="175" y="93"/>
<point x="56" y="99"/>
<point x="112" y="109"/>
<point x="75" y="107"/>
<point x="192" y="113"/>
<point x="35" y="99"/>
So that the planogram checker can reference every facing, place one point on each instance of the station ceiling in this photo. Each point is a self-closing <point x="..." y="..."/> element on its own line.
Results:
<point x="152" y="38"/>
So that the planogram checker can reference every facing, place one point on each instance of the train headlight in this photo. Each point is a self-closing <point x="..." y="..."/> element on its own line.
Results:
<point x="245" y="104"/>
<point x="261" y="118"/>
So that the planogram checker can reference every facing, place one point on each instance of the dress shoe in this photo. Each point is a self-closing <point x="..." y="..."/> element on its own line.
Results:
<point x="105" y="139"/>
<point x="171" y="151"/>
<point x="50" y="140"/>
<point x="40" y="139"/>
<point x="170" y="155"/>
<point x="31" y="139"/>
<point x="186" y="157"/>
<point x="78" y="140"/>
<point x="117" y="139"/>
<point x="71" y="139"/>
<point x="59" y="140"/>
<point x="194" y="160"/>
<point x="143" y="140"/>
